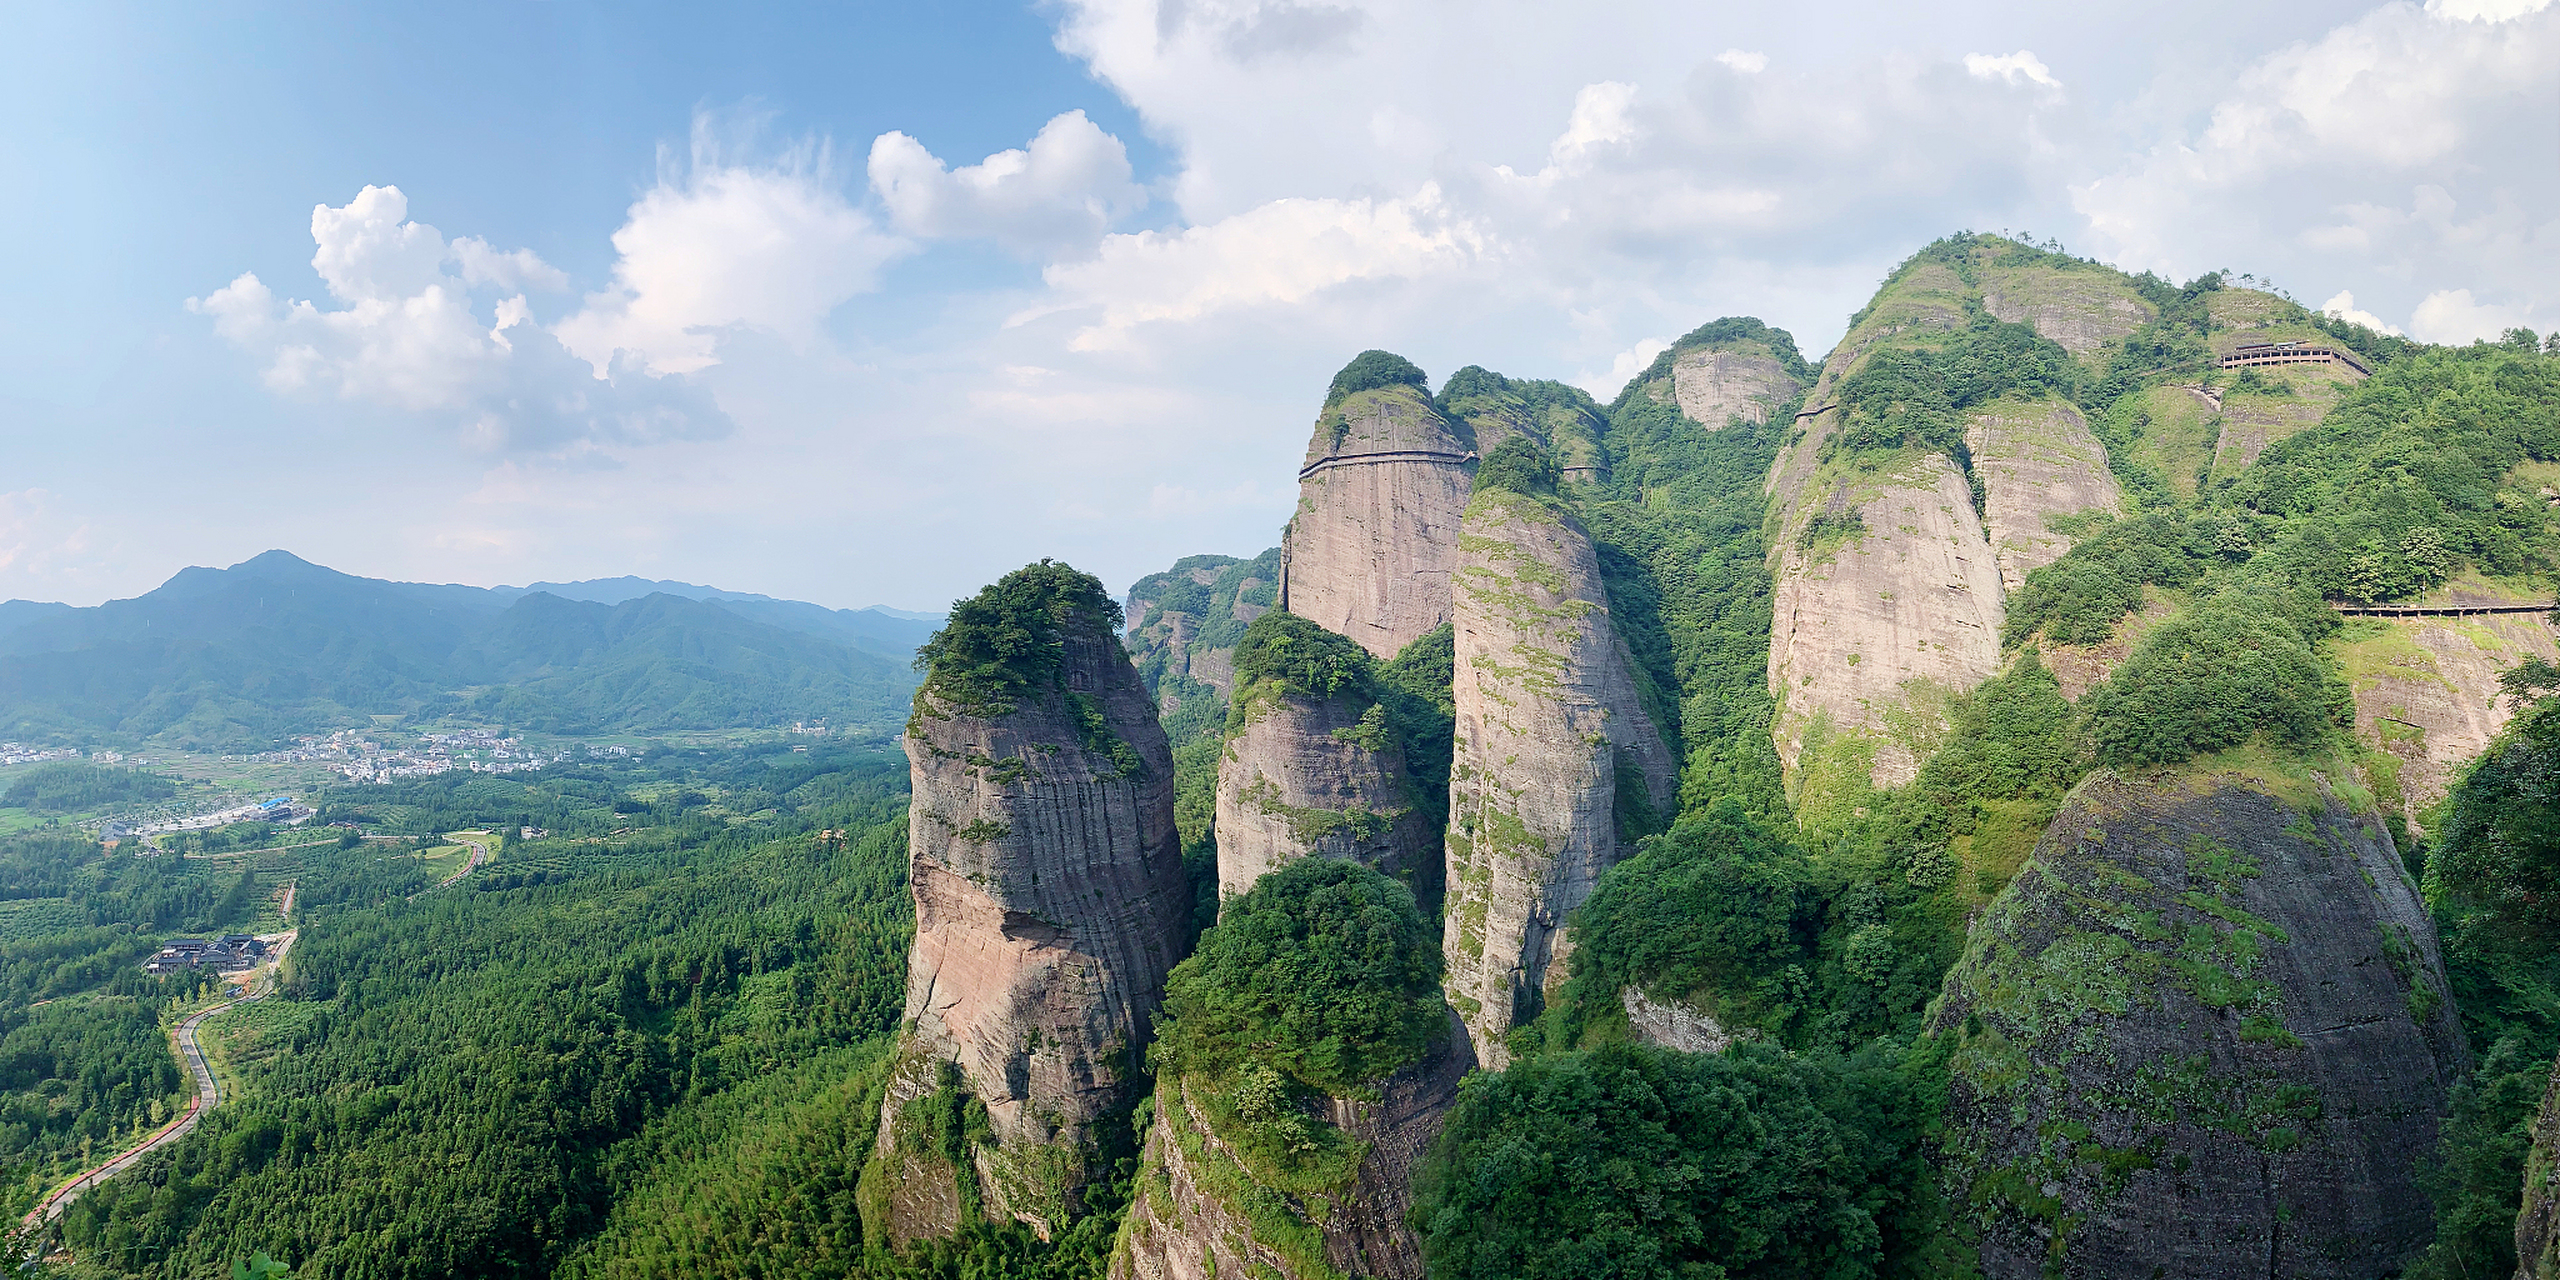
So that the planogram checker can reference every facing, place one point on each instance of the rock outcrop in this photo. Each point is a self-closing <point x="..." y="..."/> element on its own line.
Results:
<point x="1551" y="742"/>
<point x="2039" y="463"/>
<point x="1672" y="1024"/>
<point x="1050" y="901"/>
<point x="2427" y="691"/>
<point x="1713" y="385"/>
<point x="2538" y="1221"/>
<point x="1308" y="777"/>
<point x="2080" y="308"/>
<point x="1201" y="1213"/>
<point x="2204" y="1032"/>
<point x="1888" y="600"/>
<point x="1380" y="495"/>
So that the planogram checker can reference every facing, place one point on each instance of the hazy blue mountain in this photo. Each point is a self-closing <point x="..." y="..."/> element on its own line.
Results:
<point x="893" y="633"/>
<point x="276" y="645"/>
<point x="18" y="613"/>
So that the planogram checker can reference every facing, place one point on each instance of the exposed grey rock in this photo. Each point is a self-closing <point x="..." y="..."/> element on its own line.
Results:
<point x="1673" y="1024"/>
<point x="1880" y="615"/>
<point x="2427" y="691"/>
<point x="1306" y="777"/>
<point x="2538" y="1222"/>
<point x="1050" y="901"/>
<point x="1714" y="386"/>
<point x="2204" y="1033"/>
<point x="1547" y="718"/>
<point x="1184" y="1225"/>
<point x="2080" y="311"/>
<point x="2038" y="463"/>
<point x="1369" y="551"/>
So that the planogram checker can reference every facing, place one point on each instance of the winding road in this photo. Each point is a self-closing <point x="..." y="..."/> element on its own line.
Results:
<point x="208" y="1096"/>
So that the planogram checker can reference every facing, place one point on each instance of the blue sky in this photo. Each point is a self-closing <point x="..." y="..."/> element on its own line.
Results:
<point x="871" y="303"/>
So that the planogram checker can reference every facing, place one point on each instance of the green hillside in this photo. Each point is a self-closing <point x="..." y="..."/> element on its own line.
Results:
<point x="240" y="658"/>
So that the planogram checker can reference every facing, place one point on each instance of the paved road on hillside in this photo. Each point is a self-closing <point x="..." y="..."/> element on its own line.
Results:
<point x="208" y="1096"/>
<point x="479" y="857"/>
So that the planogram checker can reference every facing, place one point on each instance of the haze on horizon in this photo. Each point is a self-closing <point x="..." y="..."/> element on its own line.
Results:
<point x="869" y="307"/>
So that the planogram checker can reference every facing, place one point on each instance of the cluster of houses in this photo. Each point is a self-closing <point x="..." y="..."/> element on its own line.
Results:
<point x="228" y="953"/>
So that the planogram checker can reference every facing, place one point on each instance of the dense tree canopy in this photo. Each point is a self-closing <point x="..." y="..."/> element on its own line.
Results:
<point x="1325" y="972"/>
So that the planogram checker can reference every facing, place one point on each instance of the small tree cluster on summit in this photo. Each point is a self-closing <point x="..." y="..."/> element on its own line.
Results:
<point x="1371" y="370"/>
<point x="1009" y="638"/>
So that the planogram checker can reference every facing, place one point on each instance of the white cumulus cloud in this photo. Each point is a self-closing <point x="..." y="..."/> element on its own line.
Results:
<point x="728" y="245"/>
<point x="1060" y="194"/>
<point x="2343" y="307"/>
<point x="411" y="336"/>
<point x="1744" y="61"/>
<point x="2012" y="68"/>
<point x="2485" y="10"/>
<point x="2454" y="316"/>
<point x="1282" y="252"/>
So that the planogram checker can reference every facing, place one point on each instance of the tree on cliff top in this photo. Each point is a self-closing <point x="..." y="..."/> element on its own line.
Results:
<point x="1303" y="656"/>
<point x="1519" y="466"/>
<point x="2225" y="671"/>
<point x="1371" y="370"/>
<point x="1011" y="638"/>
<point x="1325" y="973"/>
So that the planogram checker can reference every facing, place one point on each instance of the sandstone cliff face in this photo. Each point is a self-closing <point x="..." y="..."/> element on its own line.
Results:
<point x="1309" y="777"/>
<point x="1379" y="499"/>
<point x="1200" y="1213"/>
<point x="2038" y="463"/>
<point x="2427" y="691"/>
<point x="1713" y="386"/>
<point x="1547" y="722"/>
<point x="1888" y="600"/>
<point x="2538" y="1222"/>
<point x="1049" y="902"/>
<point x="2080" y="310"/>
<point x="2204" y="1033"/>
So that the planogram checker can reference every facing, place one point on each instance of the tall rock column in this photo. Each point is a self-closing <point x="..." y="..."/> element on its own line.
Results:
<point x="1311" y="771"/>
<point x="1550" y="737"/>
<point x="1385" y="481"/>
<point x="1050" y="901"/>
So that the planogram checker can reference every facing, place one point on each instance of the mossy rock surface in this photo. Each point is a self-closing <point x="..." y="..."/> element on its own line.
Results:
<point x="2204" y="1033"/>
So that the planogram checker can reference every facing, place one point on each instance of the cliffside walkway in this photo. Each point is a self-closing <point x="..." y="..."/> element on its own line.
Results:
<point x="1398" y="455"/>
<point x="2434" y="610"/>
<point x="208" y="1096"/>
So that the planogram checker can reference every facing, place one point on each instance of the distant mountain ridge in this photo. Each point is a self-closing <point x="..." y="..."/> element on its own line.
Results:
<point x="276" y="645"/>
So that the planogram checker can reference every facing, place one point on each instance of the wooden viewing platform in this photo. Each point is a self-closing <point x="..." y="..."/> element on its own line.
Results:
<point x="2267" y="353"/>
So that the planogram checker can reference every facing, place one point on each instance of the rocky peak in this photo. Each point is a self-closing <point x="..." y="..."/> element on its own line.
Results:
<point x="1050" y="901"/>
<point x="1311" y="766"/>
<point x="1379" y="498"/>
<point x="2205" y="1024"/>
<point x="1552" y="744"/>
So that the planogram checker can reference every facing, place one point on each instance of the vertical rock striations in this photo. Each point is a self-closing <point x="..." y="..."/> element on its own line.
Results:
<point x="2040" y="465"/>
<point x="1714" y="385"/>
<point x="1552" y="751"/>
<point x="1049" y="902"/>
<point x="1379" y="498"/>
<point x="2204" y="1033"/>
<point x="1311" y="767"/>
